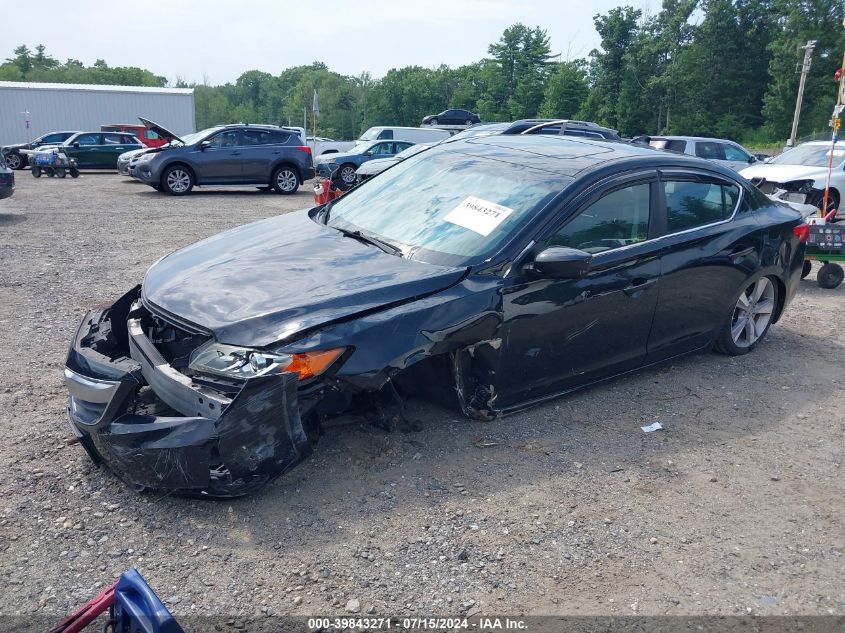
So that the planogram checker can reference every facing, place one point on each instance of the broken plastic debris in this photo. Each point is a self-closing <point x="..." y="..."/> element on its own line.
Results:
<point x="654" y="426"/>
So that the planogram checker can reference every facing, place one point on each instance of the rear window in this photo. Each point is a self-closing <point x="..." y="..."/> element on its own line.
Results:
<point x="385" y="134"/>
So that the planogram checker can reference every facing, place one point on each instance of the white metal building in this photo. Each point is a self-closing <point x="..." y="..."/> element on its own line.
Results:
<point x="85" y="107"/>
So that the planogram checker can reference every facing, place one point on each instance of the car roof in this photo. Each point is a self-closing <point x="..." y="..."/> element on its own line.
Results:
<point x="571" y="157"/>
<point x="692" y="138"/>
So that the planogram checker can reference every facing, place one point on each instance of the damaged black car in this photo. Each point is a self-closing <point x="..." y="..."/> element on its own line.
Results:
<point x="488" y="274"/>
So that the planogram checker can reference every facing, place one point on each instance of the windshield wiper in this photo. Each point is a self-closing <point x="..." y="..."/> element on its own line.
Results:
<point x="387" y="247"/>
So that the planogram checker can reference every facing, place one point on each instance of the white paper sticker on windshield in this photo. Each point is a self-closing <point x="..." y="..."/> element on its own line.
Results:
<point x="480" y="216"/>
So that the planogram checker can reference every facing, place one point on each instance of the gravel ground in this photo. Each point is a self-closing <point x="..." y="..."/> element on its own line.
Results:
<point x="569" y="508"/>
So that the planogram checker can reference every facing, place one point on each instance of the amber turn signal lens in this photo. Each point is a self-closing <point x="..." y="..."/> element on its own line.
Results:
<point x="310" y="364"/>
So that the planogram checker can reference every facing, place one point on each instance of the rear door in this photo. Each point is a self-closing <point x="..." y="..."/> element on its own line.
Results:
<point x="114" y="144"/>
<point x="221" y="161"/>
<point x="711" y="244"/>
<point x="260" y="148"/>
<point x="562" y="333"/>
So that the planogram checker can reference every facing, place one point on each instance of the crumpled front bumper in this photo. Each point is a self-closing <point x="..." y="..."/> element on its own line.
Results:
<point x="204" y="442"/>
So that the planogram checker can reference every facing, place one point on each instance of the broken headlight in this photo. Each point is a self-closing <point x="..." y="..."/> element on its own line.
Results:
<point x="801" y="186"/>
<point x="243" y="362"/>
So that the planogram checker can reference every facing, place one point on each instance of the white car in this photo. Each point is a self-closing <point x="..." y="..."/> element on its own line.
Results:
<point x="800" y="174"/>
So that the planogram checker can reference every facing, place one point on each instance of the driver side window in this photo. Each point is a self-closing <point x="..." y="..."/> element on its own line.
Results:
<point x="224" y="139"/>
<point x="617" y="219"/>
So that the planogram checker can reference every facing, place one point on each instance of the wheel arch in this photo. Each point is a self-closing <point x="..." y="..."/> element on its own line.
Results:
<point x="286" y="163"/>
<point x="178" y="163"/>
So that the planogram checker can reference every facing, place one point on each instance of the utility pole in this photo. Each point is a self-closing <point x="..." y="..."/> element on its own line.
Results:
<point x="805" y="69"/>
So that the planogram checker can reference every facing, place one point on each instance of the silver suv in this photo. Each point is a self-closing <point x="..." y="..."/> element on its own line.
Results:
<point x="731" y="155"/>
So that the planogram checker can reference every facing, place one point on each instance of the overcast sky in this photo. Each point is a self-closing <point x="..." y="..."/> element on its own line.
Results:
<point x="218" y="40"/>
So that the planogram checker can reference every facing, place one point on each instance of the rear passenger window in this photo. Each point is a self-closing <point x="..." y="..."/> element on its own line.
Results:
<point x="112" y="139"/>
<point x="710" y="151"/>
<point x="385" y="134"/>
<point x="256" y="137"/>
<point x="690" y="204"/>
<point x="618" y="219"/>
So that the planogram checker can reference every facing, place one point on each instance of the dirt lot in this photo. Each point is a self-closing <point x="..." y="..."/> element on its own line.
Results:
<point x="569" y="508"/>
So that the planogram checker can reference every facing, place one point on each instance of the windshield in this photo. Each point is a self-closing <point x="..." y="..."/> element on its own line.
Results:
<point x="810" y="156"/>
<point x="447" y="206"/>
<point x="371" y="134"/>
<point x="189" y="139"/>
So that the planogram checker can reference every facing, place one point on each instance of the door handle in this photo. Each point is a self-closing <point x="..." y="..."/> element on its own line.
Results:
<point x="638" y="285"/>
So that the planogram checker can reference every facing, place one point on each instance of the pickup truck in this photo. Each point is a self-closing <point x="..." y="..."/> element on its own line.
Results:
<point x="320" y="145"/>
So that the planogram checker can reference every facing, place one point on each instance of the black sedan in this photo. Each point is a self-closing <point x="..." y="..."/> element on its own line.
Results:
<point x="12" y="156"/>
<point x="7" y="182"/>
<point x="488" y="274"/>
<point x="452" y="117"/>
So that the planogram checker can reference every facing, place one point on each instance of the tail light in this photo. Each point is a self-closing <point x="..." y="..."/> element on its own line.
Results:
<point x="304" y="148"/>
<point x="802" y="232"/>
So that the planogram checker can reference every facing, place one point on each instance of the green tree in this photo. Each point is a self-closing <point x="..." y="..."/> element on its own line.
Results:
<point x="566" y="90"/>
<point x="617" y="30"/>
<point x="800" y="21"/>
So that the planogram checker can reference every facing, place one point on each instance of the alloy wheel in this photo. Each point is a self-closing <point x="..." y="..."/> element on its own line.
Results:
<point x="14" y="161"/>
<point x="347" y="174"/>
<point x="753" y="312"/>
<point x="178" y="181"/>
<point x="286" y="180"/>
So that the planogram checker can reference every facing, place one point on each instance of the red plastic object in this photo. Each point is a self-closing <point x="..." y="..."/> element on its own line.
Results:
<point x="87" y="613"/>
<point x="802" y="231"/>
<point x="324" y="193"/>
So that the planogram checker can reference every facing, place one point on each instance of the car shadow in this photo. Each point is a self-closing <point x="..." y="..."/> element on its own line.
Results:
<point x="704" y="401"/>
<point x="12" y="218"/>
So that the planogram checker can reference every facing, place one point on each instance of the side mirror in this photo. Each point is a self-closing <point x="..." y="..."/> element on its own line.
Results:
<point x="76" y="143"/>
<point x="752" y="160"/>
<point x="562" y="262"/>
<point x="205" y="145"/>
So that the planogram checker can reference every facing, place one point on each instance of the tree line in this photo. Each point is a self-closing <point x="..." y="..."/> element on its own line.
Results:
<point x="725" y="68"/>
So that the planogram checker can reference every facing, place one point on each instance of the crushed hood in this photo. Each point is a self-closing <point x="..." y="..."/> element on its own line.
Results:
<point x="784" y="173"/>
<point x="268" y="281"/>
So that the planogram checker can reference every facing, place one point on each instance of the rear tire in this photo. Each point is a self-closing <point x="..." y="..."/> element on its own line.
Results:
<point x="830" y="276"/>
<point x="807" y="269"/>
<point x="61" y="173"/>
<point x="750" y="319"/>
<point x="36" y="172"/>
<point x="285" y="180"/>
<point x="177" y="181"/>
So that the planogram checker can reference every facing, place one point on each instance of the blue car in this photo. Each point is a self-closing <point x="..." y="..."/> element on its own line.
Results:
<point x="342" y="166"/>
